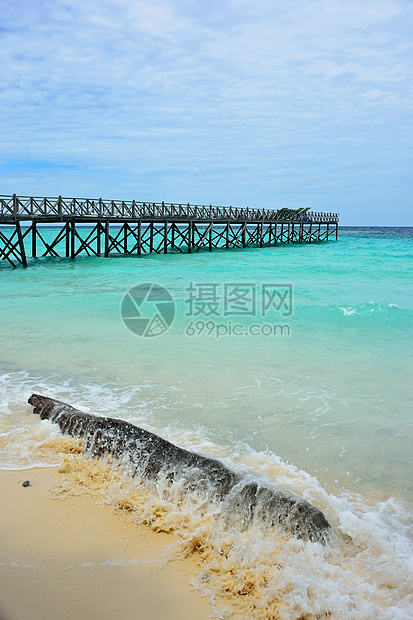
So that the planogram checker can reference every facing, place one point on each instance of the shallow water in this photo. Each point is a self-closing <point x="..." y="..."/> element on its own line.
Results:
<point x="322" y="407"/>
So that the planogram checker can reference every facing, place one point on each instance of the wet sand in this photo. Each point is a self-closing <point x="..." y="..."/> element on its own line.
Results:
<point x="73" y="558"/>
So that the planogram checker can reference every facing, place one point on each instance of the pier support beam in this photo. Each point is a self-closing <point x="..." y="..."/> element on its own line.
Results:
<point x="12" y="246"/>
<point x="72" y="239"/>
<point x="106" y="238"/>
<point x="165" y="238"/>
<point x="34" y="235"/>
<point x="112" y="235"/>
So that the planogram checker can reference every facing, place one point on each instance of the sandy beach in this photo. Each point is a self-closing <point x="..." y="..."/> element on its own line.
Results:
<point x="73" y="558"/>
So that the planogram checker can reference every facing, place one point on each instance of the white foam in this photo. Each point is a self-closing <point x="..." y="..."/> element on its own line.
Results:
<point x="367" y="575"/>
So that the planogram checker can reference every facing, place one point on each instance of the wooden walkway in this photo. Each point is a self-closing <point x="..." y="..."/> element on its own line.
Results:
<point x="33" y="227"/>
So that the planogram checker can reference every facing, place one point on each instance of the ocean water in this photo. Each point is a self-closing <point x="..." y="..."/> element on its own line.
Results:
<point x="291" y="362"/>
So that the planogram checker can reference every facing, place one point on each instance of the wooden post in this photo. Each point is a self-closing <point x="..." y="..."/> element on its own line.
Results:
<point x="106" y="238"/>
<point x="125" y="238"/>
<point x="244" y="226"/>
<point x="210" y="236"/>
<point x="21" y="244"/>
<point x="34" y="235"/>
<point x="151" y="237"/>
<point x="15" y="206"/>
<point x="260" y="228"/>
<point x="193" y="232"/>
<point x="139" y="237"/>
<point x="98" y="233"/>
<point x="59" y="207"/>
<point x="173" y="235"/>
<point x="67" y="239"/>
<point x="165" y="237"/>
<point x="227" y="236"/>
<point x="336" y="231"/>
<point x="72" y="239"/>
<point x="189" y="236"/>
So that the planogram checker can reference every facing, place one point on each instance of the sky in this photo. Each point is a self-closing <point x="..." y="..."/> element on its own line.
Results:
<point x="259" y="103"/>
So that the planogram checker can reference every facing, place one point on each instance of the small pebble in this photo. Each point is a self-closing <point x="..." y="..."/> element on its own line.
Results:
<point x="26" y="483"/>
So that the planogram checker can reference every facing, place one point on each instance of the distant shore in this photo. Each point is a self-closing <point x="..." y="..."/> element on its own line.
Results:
<point x="72" y="558"/>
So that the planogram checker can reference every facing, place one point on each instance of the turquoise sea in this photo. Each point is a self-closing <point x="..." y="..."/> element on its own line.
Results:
<point x="312" y="390"/>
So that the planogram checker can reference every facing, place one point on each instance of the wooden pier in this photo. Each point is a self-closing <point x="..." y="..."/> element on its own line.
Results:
<point x="32" y="227"/>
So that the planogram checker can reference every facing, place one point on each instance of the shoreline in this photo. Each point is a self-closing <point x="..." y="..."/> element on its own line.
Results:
<point x="72" y="557"/>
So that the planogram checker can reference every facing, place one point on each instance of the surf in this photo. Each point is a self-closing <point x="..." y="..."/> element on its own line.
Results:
<point x="148" y="455"/>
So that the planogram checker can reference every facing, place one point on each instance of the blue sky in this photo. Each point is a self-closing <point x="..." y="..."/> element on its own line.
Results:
<point x="250" y="103"/>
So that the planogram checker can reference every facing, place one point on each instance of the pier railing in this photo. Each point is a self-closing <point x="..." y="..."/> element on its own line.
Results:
<point x="13" y="207"/>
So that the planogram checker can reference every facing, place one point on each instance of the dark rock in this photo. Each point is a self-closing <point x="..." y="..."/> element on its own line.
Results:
<point x="147" y="455"/>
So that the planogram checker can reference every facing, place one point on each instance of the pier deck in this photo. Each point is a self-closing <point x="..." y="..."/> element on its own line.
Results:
<point x="98" y="227"/>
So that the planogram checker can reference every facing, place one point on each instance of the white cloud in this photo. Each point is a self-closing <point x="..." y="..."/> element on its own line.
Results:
<point x="120" y="86"/>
